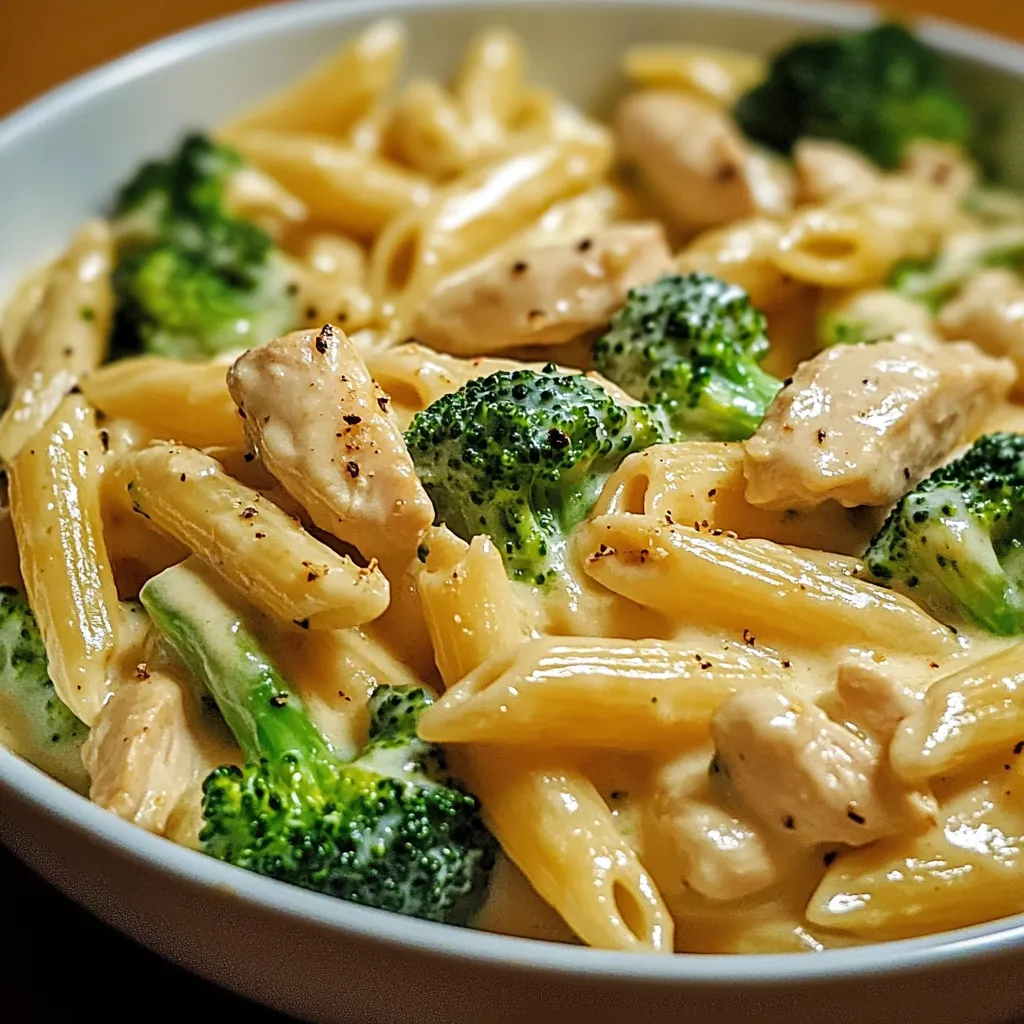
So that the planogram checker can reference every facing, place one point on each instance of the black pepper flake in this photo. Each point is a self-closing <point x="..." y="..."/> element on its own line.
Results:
<point x="654" y="700"/>
<point x="321" y="343"/>
<point x="535" y="314"/>
<point x="311" y="312"/>
<point x="557" y="438"/>
<point x="712" y="492"/>
<point x="519" y="268"/>
<point x="352" y="468"/>
<point x="584" y="244"/>
<point x="726" y="172"/>
<point x="142" y="671"/>
<point x="259" y="536"/>
<point x="748" y="638"/>
<point x="249" y="456"/>
<point x="182" y="477"/>
<point x="301" y="623"/>
<point x="105" y="440"/>
<point x="351" y="419"/>
<point x="787" y="663"/>
<point x="279" y="700"/>
<point x="241" y="412"/>
<point x="859" y="819"/>
<point x="906" y="473"/>
<point x="617" y="794"/>
<point x="821" y="435"/>
<point x="789" y="822"/>
<point x="382" y="401"/>
<point x="1018" y="746"/>
<point x="787" y="382"/>
<point x="829" y="858"/>
<point x="249" y="512"/>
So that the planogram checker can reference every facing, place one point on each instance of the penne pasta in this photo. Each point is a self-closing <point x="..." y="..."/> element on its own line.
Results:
<point x="64" y="338"/>
<point x="600" y="693"/>
<point x="354" y="191"/>
<point x="490" y="84"/>
<point x="965" y="718"/>
<point x="336" y="93"/>
<point x="715" y="74"/>
<point x="172" y="399"/>
<point x="750" y="584"/>
<point x="429" y="133"/>
<point x="55" y="508"/>
<point x="251" y="543"/>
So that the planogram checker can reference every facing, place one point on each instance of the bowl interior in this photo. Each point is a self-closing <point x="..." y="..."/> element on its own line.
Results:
<point x="61" y="158"/>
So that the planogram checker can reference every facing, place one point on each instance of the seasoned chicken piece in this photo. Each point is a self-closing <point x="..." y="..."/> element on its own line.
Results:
<point x="141" y="754"/>
<point x="543" y="294"/>
<point x="990" y="312"/>
<point x="693" y="160"/>
<point x="860" y="424"/>
<point x="870" y="697"/>
<point x="941" y="164"/>
<point x="804" y="775"/>
<point x="321" y="426"/>
<point x="827" y="170"/>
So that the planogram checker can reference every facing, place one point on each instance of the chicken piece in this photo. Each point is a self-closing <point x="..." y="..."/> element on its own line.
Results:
<point x="827" y="170"/>
<point x="941" y="164"/>
<point x="860" y="424"/>
<point x="544" y="294"/>
<point x="321" y="426"/>
<point x="870" y="697"/>
<point x="804" y="775"/>
<point x="141" y="755"/>
<point x="990" y="312"/>
<point x="692" y="158"/>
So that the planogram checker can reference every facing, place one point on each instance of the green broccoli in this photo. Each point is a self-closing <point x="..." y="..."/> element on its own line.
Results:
<point x="40" y="726"/>
<point x="388" y="830"/>
<point x="691" y="346"/>
<point x="876" y="90"/>
<point x="954" y="543"/>
<point x="191" y="280"/>
<point x="934" y="282"/>
<point x="522" y="457"/>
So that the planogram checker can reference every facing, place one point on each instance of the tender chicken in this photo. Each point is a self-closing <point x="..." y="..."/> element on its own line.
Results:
<point x="142" y="755"/>
<point x="990" y="312"/>
<point x="870" y="697"/>
<point x="859" y="424"/>
<point x="804" y="775"/>
<point x="694" y="161"/>
<point x="828" y="170"/>
<point x="543" y="294"/>
<point x="941" y="164"/>
<point x="321" y="426"/>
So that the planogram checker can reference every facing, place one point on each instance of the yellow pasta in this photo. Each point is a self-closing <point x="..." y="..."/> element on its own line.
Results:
<point x="715" y="74"/>
<point x="459" y="576"/>
<point x="702" y="482"/>
<point x="490" y="83"/>
<point x="750" y="584"/>
<point x="428" y="131"/>
<point x="64" y="338"/>
<point x="19" y="308"/>
<point x="479" y="211"/>
<point x="338" y="92"/>
<point x="964" y="718"/>
<point x="600" y="693"/>
<point x="354" y="191"/>
<point x="170" y="398"/>
<point x="251" y="543"/>
<point x="55" y="507"/>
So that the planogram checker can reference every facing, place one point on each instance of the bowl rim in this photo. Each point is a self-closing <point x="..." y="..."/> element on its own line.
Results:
<point x="52" y="799"/>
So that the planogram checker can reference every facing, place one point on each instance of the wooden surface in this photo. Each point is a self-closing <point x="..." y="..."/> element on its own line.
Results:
<point x="60" y="953"/>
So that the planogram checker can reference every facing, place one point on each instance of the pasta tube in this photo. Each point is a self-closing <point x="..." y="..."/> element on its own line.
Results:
<point x="171" y="398"/>
<point x="750" y="584"/>
<point x="490" y="83"/>
<point x="354" y="191"/>
<point x="964" y="718"/>
<point x="64" y="338"/>
<point x="619" y="694"/>
<point x="718" y="75"/>
<point x="337" y="92"/>
<point x="55" y="508"/>
<point x="247" y="540"/>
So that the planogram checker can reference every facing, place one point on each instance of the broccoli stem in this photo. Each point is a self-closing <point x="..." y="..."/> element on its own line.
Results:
<point x="207" y="632"/>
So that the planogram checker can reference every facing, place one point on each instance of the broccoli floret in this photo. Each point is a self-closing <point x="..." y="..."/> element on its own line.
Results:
<point x="934" y="282"/>
<point x="691" y="346"/>
<point x="191" y="280"/>
<point x="522" y="456"/>
<point x="389" y="830"/>
<point x="40" y="726"/>
<point x="954" y="543"/>
<point x="877" y="91"/>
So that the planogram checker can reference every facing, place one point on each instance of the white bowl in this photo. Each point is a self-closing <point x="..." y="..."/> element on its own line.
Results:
<point x="319" y="958"/>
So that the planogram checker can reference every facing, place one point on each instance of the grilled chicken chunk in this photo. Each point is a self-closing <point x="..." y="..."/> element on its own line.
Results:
<point x="544" y="294"/>
<point x="860" y="424"/>
<point x="321" y="426"/>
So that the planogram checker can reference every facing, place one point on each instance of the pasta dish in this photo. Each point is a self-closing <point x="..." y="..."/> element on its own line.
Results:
<point x="601" y="529"/>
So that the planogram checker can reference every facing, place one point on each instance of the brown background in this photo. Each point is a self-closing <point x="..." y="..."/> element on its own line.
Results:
<point x="43" y="42"/>
<point x="60" y="959"/>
